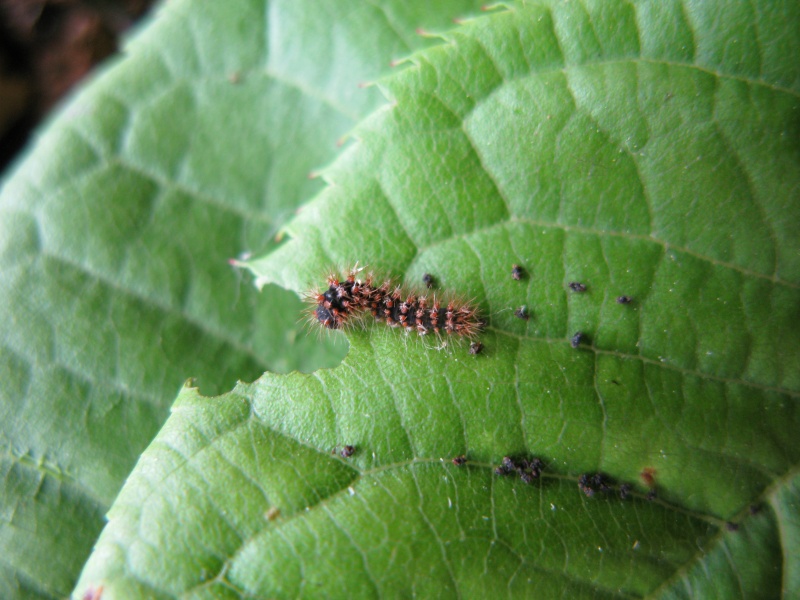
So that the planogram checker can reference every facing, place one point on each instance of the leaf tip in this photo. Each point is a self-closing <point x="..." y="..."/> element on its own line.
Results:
<point x="261" y="281"/>
<point x="429" y="34"/>
<point x="400" y="61"/>
<point x="241" y="261"/>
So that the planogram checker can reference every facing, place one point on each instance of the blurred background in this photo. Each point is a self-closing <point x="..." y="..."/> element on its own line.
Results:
<point x="46" y="47"/>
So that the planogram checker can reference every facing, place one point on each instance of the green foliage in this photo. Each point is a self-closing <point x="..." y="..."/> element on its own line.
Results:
<point x="648" y="149"/>
<point x="115" y="236"/>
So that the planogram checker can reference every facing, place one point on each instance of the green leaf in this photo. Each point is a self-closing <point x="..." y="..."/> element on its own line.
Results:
<point x="115" y="236"/>
<point x="646" y="149"/>
<point x="394" y="520"/>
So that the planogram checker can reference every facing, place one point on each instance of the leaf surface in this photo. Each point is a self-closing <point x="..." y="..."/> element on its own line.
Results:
<point x="634" y="148"/>
<point x="115" y="236"/>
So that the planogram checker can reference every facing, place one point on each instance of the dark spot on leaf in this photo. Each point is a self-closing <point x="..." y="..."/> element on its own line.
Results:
<point x="521" y="313"/>
<point x="584" y="484"/>
<point x="528" y="469"/>
<point x="475" y="348"/>
<point x="347" y="451"/>
<point x="624" y="299"/>
<point x="593" y="483"/>
<point x="517" y="272"/>
<point x="624" y="491"/>
<point x="648" y="476"/>
<point x="460" y="460"/>
<point x="576" y="339"/>
<point x="428" y="280"/>
<point x="576" y="286"/>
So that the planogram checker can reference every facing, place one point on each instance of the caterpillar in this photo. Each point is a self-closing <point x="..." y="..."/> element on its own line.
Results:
<point x="347" y="299"/>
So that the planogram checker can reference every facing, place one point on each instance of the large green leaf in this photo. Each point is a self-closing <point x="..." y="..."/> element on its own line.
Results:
<point x="646" y="149"/>
<point x="115" y="234"/>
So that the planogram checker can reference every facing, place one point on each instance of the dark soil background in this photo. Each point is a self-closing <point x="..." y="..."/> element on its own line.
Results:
<point x="46" y="47"/>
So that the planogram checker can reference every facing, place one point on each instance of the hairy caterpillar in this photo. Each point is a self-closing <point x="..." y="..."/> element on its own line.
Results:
<point x="348" y="299"/>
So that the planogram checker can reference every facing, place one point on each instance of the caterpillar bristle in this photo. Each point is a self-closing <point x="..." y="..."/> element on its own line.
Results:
<point x="347" y="300"/>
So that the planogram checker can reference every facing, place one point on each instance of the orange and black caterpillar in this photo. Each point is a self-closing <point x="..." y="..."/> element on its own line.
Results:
<point x="349" y="298"/>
